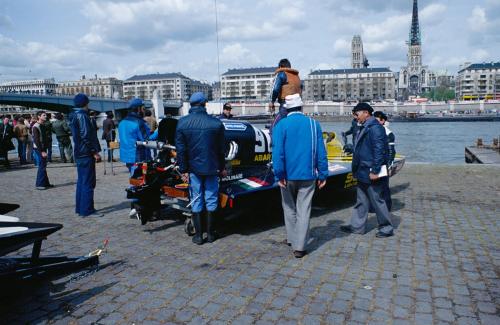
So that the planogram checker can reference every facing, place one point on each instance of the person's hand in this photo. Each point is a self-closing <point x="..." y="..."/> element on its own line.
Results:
<point x="223" y="173"/>
<point x="282" y="183"/>
<point x="321" y="183"/>
<point x="97" y="157"/>
<point x="373" y="177"/>
<point x="44" y="154"/>
<point x="185" y="178"/>
<point x="271" y="107"/>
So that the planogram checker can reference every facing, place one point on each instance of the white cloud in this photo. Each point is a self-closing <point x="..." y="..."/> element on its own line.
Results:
<point x="237" y="55"/>
<point x="341" y="46"/>
<point x="477" y="21"/>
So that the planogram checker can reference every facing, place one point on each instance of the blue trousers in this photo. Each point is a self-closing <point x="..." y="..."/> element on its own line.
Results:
<point x="204" y="192"/>
<point x="85" y="186"/>
<point x="21" y="151"/>
<point x="42" y="180"/>
<point x="282" y="113"/>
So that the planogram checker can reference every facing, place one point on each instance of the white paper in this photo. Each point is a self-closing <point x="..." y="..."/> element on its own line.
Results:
<point x="383" y="171"/>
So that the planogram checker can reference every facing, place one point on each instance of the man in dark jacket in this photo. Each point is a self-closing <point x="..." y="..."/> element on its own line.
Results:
<point x="226" y="112"/>
<point x="369" y="167"/>
<point x="200" y="152"/>
<point x="109" y="133"/>
<point x="86" y="153"/>
<point x="166" y="129"/>
<point x="6" y="134"/>
<point x="62" y="131"/>
<point x="391" y="139"/>
<point x="353" y="130"/>
<point x="47" y="128"/>
<point x="40" y="151"/>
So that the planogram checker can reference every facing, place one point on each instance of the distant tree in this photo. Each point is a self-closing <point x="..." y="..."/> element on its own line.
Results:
<point x="440" y="94"/>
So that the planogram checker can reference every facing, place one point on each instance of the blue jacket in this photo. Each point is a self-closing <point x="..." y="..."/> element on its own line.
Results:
<point x="199" y="140"/>
<point x="370" y="150"/>
<point x="131" y="129"/>
<point x="84" y="134"/>
<point x="298" y="149"/>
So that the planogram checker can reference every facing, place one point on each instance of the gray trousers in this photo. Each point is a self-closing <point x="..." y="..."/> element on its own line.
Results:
<point x="296" y="199"/>
<point x="371" y="194"/>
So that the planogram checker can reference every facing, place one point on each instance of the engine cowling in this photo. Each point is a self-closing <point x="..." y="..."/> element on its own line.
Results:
<point x="253" y="144"/>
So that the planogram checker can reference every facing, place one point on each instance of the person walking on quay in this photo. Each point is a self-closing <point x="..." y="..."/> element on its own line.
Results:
<point x="286" y="82"/>
<point x="86" y="153"/>
<point x="391" y="141"/>
<point x="368" y="162"/>
<point x="29" y="139"/>
<point x="21" y="132"/>
<point x="40" y="151"/>
<point x="6" y="135"/>
<point x="226" y="112"/>
<point x="200" y="156"/>
<point x="62" y="131"/>
<point x="300" y="163"/>
<point x="109" y="133"/>
<point x="47" y="128"/>
<point x="131" y="129"/>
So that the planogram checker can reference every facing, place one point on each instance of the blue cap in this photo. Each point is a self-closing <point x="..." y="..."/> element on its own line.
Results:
<point x="198" y="98"/>
<point x="80" y="100"/>
<point x="135" y="102"/>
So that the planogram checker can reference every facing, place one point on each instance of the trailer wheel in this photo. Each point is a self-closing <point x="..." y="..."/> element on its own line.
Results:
<point x="188" y="227"/>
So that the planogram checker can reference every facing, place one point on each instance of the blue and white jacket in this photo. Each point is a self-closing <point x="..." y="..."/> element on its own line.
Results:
<point x="298" y="149"/>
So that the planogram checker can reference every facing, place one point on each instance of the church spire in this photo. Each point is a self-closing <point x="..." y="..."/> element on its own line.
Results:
<point x="415" y="28"/>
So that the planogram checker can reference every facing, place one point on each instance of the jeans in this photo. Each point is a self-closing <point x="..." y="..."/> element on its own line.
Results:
<point x="110" y="152"/>
<point x="85" y="186"/>
<point x="282" y="113"/>
<point x="21" y="150"/>
<point x="49" y="152"/>
<point x="42" y="180"/>
<point x="204" y="192"/>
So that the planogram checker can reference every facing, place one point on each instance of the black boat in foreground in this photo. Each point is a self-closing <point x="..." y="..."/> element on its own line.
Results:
<point x="16" y="235"/>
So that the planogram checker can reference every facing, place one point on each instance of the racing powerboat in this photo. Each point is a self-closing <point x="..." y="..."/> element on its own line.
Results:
<point x="250" y="177"/>
<point x="15" y="235"/>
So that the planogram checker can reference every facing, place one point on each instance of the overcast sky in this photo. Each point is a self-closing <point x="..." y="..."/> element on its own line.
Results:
<point x="66" y="39"/>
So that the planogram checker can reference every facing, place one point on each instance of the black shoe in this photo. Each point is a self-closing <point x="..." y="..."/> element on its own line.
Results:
<point x="384" y="234"/>
<point x="285" y="242"/>
<point x="299" y="254"/>
<point x="50" y="186"/>
<point x="347" y="229"/>
<point x="211" y="234"/>
<point x="198" y="236"/>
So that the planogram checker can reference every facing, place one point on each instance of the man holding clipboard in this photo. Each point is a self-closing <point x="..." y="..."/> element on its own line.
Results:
<point x="369" y="167"/>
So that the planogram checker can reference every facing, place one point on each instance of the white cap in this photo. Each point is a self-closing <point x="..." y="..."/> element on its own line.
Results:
<point x="292" y="101"/>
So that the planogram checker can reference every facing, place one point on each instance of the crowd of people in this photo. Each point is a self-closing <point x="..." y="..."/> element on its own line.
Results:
<point x="299" y="162"/>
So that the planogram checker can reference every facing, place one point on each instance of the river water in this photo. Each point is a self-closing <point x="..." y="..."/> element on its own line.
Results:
<point x="435" y="142"/>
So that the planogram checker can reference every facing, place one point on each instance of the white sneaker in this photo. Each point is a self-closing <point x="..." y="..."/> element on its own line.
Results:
<point x="132" y="213"/>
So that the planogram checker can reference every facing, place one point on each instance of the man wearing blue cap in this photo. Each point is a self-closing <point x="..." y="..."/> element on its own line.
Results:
<point x="199" y="141"/>
<point x="86" y="152"/>
<point x="131" y="129"/>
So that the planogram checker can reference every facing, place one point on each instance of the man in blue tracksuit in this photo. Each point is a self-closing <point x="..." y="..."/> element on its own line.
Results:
<point x="131" y="129"/>
<point x="299" y="163"/>
<point x="369" y="159"/>
<point x="86" y="152"/>
<point x="199" y="141"/>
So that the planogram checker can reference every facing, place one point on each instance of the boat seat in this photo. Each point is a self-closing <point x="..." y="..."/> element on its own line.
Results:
<point x="10" y="230"/>
<point x="8" y="218"/>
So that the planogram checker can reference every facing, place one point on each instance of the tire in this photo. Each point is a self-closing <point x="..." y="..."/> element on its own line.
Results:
<point x="188" y="227"/>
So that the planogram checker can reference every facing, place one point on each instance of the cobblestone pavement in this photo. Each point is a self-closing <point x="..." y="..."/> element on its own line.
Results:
<point x="441" y="267"/>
